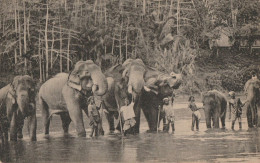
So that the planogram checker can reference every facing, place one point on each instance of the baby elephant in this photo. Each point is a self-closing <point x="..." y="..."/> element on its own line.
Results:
<point x="17" y="101"/>
<point x="215" y="106"/>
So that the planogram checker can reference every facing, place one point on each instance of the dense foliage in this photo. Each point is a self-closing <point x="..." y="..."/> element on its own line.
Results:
<point x="43" y="37"/>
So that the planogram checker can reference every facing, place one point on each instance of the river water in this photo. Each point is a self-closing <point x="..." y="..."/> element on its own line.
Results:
<point x="182" y="146"/>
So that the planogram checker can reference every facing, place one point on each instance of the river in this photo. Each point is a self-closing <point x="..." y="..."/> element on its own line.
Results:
<point x="183" y="145"/>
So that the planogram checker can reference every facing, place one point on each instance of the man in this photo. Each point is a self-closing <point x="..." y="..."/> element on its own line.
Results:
<point x="235" y="110"/>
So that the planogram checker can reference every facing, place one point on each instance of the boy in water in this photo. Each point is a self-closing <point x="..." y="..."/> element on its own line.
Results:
<point x="93" y="116"/>
<point x="195" y="113"/>
<point x="168" y="115"/>
<point x="235" y="109"/>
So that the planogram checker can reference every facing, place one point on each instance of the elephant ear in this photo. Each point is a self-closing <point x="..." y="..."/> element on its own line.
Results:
<point x="11" y="96"/>
<point x="13" y="87"/>
<point x="16" y="82"/>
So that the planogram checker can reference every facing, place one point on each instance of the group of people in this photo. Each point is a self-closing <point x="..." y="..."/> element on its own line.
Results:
<point x="166" y="112"/>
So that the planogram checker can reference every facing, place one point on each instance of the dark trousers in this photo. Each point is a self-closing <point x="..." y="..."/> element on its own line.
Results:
<point x="194" y="120"/>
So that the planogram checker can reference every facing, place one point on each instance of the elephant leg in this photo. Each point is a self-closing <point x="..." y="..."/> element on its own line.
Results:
<point x="146" y="114"/>
<point x="137" y="111"/>
<point x="258" y="114"/>
<point x="249" y="117"/>
<point x="77" y="118"/>
<point x="13" y="127"/>
<point x="223" y="119"/>
<point x="253" y="112"/>
<point x="208" y="118"/>
<point x="65" y="118"/>
<point x="153" y="119"/>
<point x="45" y="116"/>
<point x="216" y="120"/>
<point x="20" y="124"/>
<point x="4" y="130"/>
<point x="110" y="119"/>
<point x="32" y="127"/>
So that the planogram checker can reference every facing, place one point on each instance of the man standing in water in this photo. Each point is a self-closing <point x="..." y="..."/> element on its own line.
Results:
<point x="168" y="115"/>
<point x="195" y="113"/>
<point x="93" y="116"/>
<point x="235" y="110"/>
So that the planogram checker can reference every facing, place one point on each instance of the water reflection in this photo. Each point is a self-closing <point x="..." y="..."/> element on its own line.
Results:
<point x="182" y="146"/>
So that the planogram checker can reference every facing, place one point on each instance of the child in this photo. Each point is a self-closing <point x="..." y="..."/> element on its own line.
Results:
<point x="235" y="109"/>
<point x="168" y="116"/>
<point x="128" y="115"/>
<point x="93" y="116"/>
<point x="195" y="113"/>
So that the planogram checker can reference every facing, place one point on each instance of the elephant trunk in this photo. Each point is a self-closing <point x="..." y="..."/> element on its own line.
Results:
<point x="100" y="83"/>
<point x="136" y="82"/>
<point x="23" y="102"/>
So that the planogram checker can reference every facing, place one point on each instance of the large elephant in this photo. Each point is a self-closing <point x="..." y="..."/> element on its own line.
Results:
<point x="252" y="89"/>
<point x="66" y="94"/>
<point x="124" y="81"/>
<point x="158" y="85"/>
<point x="17" y="103"/>
<point x="215" y="107"/>
<point x="145" y="86"/>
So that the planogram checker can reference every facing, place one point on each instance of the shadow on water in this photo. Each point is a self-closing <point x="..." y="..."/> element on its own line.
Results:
<point x="182" y="146"/>
<point x="212" y="145"/>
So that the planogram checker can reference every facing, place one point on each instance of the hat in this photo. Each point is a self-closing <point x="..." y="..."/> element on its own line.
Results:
<point x="165" y="99"/>
<point x="232" y="93"/>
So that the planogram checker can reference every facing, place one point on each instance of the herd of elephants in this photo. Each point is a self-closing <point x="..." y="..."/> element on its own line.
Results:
<point x="66" y="94"/>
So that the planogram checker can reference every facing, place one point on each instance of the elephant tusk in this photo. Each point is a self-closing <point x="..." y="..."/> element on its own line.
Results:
<point x="147" y="89"/>
<point x="94" y="88"/>
<point x="130" y="89"/>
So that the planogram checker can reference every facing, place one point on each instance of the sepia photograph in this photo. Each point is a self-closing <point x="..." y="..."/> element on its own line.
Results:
<point x="101" y="81"/>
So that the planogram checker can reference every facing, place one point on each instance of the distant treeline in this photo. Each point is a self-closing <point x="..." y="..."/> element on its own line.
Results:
<point x="43" y="37"/>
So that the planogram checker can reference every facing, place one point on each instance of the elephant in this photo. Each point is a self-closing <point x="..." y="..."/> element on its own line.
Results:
<point x="158" y="85"/>
<point x="17" y="103"/>
<point x="252" y="89"/>
<point x="67" y="94"/>
<point x="215" y="107"/>
<point x="145" y="86"/>
<point x="124" y="81"/>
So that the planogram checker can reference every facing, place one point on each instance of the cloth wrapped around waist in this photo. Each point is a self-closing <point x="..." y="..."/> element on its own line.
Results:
<point x="197" y="114"/>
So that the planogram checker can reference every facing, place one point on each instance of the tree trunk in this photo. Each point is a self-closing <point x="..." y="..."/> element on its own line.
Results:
<point x="19" y="32"/>
<point x="40" y="58"/>
<point x="68" y="54"/>
<point x="60" y="47"/>
<point x="52" y="45"/>
<point x="46" y="42"/>
<point x="24" y="36"/>
<point x="144" y="6"/>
